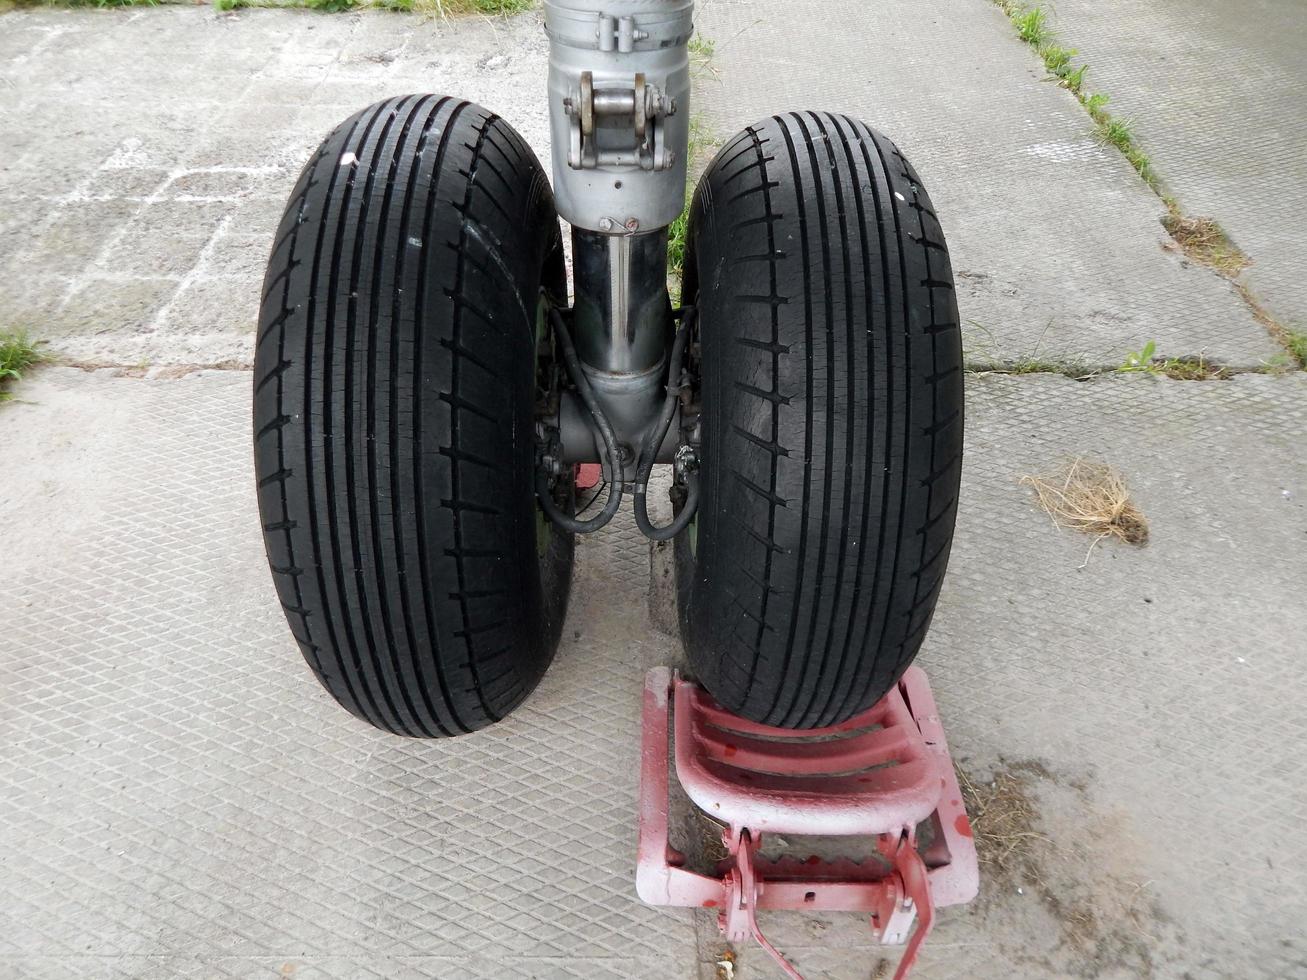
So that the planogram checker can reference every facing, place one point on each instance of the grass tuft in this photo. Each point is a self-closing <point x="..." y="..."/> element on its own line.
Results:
<point x="1116" y="131"/>
<point x="698" y="149"/>
<point x="986" y="357"/>
<point x="17" y="354"/>
<point x="450" y="8"/>
<point x="1296" y="343"/>
<point x="1057" y="59"/>
<point x="1193" y="369"/>
<point x="676" y="236"/>
<point x="1032" y="26"/>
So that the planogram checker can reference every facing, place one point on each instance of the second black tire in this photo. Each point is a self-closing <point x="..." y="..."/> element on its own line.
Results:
<point x="830" y="373"/>
<point x="394" y="414"/>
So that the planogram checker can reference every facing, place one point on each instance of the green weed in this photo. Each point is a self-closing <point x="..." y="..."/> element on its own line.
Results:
<point x="17" y="354"/>
<point x="1096" y="105"/>
<point x="1140" y="361"/>
<point x="1057" y="59"/>
<point x="698" y="148"/>
<point x="1296" y="342"/>
<point x="1032" y="26"/>
<point x="702" y="47"/>
<point x="1074" y="79"/>
<point x="1116" y="131"/>
<point x="676" y="239"/>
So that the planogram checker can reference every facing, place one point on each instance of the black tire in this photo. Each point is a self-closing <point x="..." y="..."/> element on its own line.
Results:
<point x="394" y="417"/>
<point x="830" y="378"/>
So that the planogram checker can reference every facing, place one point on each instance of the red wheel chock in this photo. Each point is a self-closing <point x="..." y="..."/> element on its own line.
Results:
<point x="885" y="773"/>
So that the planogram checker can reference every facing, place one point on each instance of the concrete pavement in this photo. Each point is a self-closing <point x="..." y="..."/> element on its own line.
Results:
<point x="1057" y="247"/>
<point x="182" y="799"/>
<point x="1214" y="92"/>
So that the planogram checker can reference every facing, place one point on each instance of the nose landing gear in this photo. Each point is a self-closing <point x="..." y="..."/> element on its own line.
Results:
<point x="424" y="393"/>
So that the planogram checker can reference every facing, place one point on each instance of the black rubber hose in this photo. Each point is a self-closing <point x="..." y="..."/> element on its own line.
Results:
<point x="654" y="440"/>
<point x="566" y="521"/>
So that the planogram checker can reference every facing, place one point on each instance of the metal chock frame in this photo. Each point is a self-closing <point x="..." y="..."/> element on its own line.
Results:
<point x="885" y="773"/>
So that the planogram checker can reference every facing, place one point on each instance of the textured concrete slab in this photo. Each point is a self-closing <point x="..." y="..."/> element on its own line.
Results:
<point x="149" y="155"/>
<point x="1215" y="94"/>
<point x="181" y="799"/>
<point x="1056" y="243"/>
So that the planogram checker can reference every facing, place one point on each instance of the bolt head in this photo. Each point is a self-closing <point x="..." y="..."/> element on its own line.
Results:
<point x="632" y="224"/>
<point x="605" y="224"/>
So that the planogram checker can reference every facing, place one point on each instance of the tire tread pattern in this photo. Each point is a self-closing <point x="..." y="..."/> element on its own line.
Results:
<point x="393" y="400"/>
<point x="832" y="389"/>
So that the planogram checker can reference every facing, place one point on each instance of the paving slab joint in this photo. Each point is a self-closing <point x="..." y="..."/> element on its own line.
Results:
<point x="1212" y="247"/>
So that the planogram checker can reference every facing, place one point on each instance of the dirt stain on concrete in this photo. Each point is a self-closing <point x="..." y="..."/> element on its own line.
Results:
<point x="1039" y="836"/>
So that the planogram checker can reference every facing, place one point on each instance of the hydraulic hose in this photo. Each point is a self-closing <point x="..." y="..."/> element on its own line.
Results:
<point x="654" y="439"/>
<point x="566" y="521"/>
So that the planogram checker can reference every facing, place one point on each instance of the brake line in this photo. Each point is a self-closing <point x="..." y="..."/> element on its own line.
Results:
<point x="566" y="521"/>
<point x="654" y="440"/>
<point x="648" y="449"/>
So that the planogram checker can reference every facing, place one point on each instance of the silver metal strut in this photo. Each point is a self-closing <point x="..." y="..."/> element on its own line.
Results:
<point x="619" y="106"/>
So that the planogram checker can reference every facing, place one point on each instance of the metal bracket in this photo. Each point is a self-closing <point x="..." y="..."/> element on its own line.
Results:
<point x="618" y="33"/>
<point x="638" y="109"/>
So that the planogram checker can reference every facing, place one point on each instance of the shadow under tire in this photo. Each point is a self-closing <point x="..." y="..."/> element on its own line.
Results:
<point x="394" y="401"/>
<point x="830" y="373"/>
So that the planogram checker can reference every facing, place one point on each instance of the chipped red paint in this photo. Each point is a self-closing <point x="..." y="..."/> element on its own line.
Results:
<point x="880" y="781"/>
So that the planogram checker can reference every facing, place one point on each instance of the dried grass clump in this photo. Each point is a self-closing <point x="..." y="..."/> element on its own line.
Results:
<point x="1003" y="818"/>
<point x="1090" y="497"/>
<point x="1203" y="240"/>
